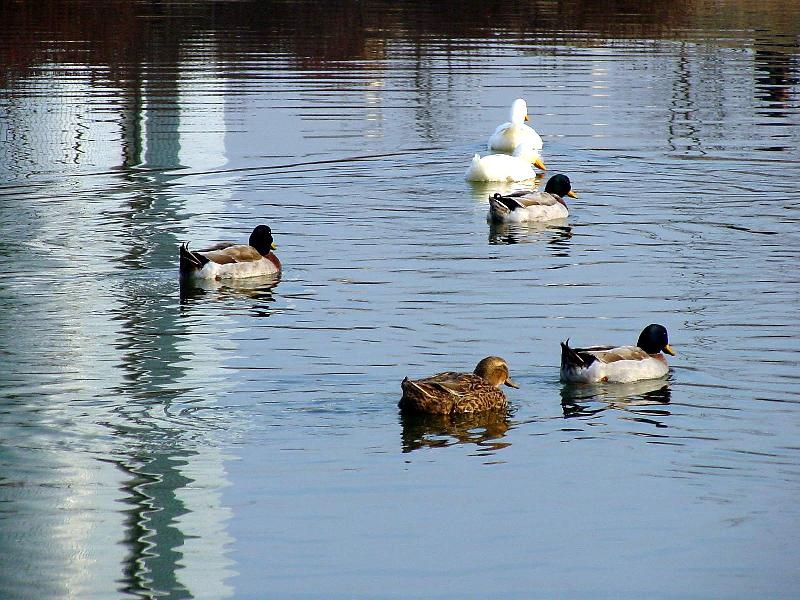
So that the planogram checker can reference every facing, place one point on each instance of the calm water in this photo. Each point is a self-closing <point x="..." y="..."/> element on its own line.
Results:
<point x="245" y="441"/>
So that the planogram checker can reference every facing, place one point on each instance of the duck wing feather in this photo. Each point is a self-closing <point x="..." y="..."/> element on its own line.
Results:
<point x="234" y="254"/>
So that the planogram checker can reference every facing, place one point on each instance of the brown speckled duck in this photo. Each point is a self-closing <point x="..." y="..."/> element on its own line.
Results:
<point x="454" y="393"/>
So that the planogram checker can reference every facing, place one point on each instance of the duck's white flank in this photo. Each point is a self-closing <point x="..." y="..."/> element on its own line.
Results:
<point x="536" y="206"/>
<point x="254" y="268"/>
<point x="619" y="371"/>
<point x="237" y="261"/>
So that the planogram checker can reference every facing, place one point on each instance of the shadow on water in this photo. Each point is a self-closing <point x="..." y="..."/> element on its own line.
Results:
<point x="486" y="430"/>
<point x="640" y="398"/>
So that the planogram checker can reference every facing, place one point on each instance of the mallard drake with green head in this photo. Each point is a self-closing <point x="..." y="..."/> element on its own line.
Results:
<point x="530" y="206"/>
<point x="232" y="261"/>
<point x="621" y="364"/>
<point x="453" y="393"/>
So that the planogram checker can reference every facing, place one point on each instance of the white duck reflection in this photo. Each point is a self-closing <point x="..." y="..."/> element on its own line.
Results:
<point x="482" y="190"/>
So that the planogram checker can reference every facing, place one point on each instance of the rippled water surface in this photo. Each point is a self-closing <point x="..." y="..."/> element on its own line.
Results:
<point x="244" y="441"/>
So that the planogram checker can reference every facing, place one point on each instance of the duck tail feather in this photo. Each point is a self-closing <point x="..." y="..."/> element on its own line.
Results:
<point x="575" y="357"/>
<point x="414" y="395"/>
<point x="510" y="201"/>
<point x="569" y="356"/>
<point x="415" y="387"/>
<point x="190" y="261"/>
<point x="497" y="206"/>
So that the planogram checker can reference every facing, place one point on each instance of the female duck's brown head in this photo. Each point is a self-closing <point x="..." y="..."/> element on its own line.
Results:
<point x="494" y="370"/>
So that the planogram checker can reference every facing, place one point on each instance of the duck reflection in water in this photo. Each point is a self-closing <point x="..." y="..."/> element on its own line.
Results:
<point x="481" y="190"/>
<point x="256" y="289"/>
<point x="485" y="429"/>
<point x="557" y="234"/>
<point x="639" y="398"/>
<point x="776" y="76"/>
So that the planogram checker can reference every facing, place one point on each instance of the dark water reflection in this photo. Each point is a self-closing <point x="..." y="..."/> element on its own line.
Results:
<point x="131" y="32"/>
<point x="639" y="398"/>
<point x="258" y="290"/>
<point x="154" y="541"/>
<point x="161" y="440"/>
<point x="485" y="430"/>
<point x="776" y="75"/>
<point x="556" y="234"/>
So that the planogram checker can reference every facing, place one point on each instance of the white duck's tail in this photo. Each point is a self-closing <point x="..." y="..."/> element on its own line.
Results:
<point x="476" y="172"/>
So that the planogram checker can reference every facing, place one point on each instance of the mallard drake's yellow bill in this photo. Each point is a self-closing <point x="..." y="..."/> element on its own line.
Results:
<point x="669" y="350"/>
<point x="572" y="194"/>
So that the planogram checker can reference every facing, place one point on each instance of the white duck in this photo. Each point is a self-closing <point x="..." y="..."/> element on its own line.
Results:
<point x="510" y="135"/>
<point x="527" y="206"/>
<point x="502" y="167"/>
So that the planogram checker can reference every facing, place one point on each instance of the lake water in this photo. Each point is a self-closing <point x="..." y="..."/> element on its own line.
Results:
<point x="244" y="441"/>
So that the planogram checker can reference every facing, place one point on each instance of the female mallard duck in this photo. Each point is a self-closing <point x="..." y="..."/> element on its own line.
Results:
<point x="453" y="393"/>
<point x="510" y="135"/>
<point x="502" y="167"/>
<point x="526" y="206"/>
<point x="618" y="365"/>
<point x="232" y="261"/>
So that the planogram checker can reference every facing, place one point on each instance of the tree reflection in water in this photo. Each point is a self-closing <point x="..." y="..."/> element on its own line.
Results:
<point x="123" y="34"/>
